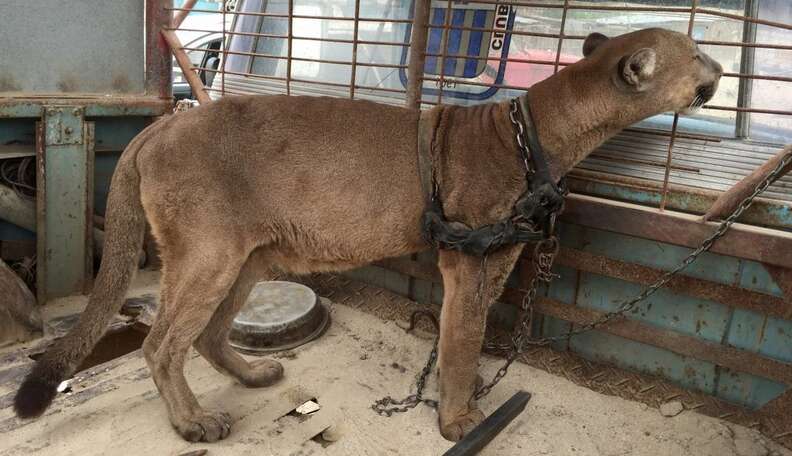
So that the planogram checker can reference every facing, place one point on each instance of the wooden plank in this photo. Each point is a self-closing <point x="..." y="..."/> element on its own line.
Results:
<point x="742" y="241"/>
<point x="17" y="151"/>
<point x="731" y="199"/>
<point x="729" y="295"/>
<point x="729" y="357"/>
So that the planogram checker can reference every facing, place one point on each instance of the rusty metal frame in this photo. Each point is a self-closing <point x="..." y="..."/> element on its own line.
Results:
<point x="669" y="194"/>
<point x="158" y="61"/>
<point x="678" y="197"/>
<point x="742" y="241"/>
<point x="155" y="99"/>
<point x="65" y="158"/>
<point x="729" y="295"/>
<point x="663" y="224"/>
<point x="420" y="28"/>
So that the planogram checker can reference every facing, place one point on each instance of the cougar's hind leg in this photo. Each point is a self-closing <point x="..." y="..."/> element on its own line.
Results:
<point x="213" y="341"/>
<point x="193" y="286"/>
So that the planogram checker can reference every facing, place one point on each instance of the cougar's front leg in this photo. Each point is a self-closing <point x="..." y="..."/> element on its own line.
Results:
<point x="462" y="324"/>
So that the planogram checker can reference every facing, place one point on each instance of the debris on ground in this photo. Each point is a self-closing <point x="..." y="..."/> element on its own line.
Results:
<point x="333" y="433"/>
<point x="672" y="408"/>
<point x="308" y="408"/>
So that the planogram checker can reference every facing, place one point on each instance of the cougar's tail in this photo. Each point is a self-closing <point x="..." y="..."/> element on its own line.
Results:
<point x="125" y="224"/>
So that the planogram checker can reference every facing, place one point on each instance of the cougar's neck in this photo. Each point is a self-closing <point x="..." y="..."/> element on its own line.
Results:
<point x="574" y="112"/>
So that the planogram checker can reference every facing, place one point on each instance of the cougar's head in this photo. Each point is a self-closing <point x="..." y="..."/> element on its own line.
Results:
<point x="660" y="69"/>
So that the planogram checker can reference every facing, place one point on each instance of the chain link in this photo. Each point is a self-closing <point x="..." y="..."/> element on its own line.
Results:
<point x="544" y="254"/>
<point x="387" y="406"/>
<point x="520" y="129"/>
<point x="543" y="262"/>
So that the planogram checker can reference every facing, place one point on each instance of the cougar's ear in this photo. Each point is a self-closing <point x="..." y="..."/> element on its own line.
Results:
<point x="636" y="70"/>
<point x="592" y="42"/>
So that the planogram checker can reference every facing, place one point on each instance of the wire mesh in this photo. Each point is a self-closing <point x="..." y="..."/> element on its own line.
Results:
<point x="490" y="50"/>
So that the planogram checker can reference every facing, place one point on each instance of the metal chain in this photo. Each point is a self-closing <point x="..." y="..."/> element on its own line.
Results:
<point x="543" y="262"/>
<point x="387" y="406"/>
<point x="544" y="254"/>
<point x="525" y="153"/>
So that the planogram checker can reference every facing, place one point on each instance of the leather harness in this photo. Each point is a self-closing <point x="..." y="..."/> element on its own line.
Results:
<point x="533" y="215"/>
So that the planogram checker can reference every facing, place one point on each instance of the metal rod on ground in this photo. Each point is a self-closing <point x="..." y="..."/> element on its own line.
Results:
<point x="728" y="201"/>
<point x="492" y="425"/>
<point x="186" y="66"/>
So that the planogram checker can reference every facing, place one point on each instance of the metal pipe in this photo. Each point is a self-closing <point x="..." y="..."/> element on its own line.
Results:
<point x="158" y="61"/>
<point x="182" y="13"/>
<point x="670" y="155"/>
<point x="444" y="53"/>
<point x="418" y="38"/>
<point x="742" y="124"/>
<point x="290" y="41"/>
<point x="353" y="70"/>
<point x="186" y="66"/>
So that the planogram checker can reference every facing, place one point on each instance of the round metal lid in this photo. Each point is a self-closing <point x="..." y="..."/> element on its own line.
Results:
<point x="278" y="316"/>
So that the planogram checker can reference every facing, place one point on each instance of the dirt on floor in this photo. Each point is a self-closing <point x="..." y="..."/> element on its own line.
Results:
<point x="115" y="409"/>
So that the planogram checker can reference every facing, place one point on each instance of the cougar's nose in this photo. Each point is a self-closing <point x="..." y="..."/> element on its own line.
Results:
<point x="718" y="68"/>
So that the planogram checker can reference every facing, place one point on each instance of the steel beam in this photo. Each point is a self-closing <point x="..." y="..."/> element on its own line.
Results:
<point x="65" y="155"/>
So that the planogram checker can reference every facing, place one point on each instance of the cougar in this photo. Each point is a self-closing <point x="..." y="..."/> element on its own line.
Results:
<point x="245" y="187"/>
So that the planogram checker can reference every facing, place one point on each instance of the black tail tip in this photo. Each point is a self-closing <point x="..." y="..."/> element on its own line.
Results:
<point x="34" y="396"/>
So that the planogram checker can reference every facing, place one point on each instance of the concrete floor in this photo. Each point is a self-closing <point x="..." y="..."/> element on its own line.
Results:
<point x="114" y="408"/>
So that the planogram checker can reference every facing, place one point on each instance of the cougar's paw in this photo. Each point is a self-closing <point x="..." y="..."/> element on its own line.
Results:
<point x="460" y="426"/>
<point x="205" y="426"/>
<point x="263" y="372"/>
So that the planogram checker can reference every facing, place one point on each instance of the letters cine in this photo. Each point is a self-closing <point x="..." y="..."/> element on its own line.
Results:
<point x="502" y="13"/>
<point x="477" y="39"/>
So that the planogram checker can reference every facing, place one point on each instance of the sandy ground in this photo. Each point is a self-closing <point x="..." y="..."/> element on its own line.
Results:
<point x="115" y="409"/>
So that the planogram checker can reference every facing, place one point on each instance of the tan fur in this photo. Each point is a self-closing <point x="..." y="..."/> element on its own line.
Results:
<point x="245" y="186"/>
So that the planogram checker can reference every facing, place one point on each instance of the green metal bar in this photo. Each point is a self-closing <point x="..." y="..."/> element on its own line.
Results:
<point x="109" y="107"/>
<point x="65" y="148"/>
